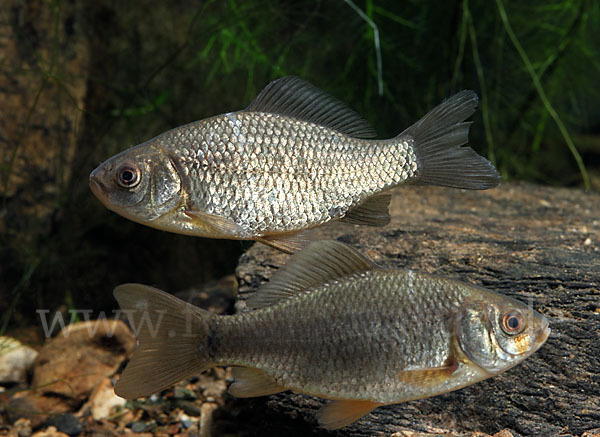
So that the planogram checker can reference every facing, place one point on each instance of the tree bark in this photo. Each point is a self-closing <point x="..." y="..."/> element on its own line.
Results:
<point x="540" y="245"/>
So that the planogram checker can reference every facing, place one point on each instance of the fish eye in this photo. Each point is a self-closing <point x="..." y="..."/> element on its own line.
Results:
<point x="128" y="175"/>
<point x="512" y="322"/>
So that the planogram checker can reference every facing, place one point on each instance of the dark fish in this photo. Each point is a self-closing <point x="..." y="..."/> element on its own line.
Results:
<point x="334" y="325"/>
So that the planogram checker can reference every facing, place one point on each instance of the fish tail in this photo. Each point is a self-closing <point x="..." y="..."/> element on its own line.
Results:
<point x="174" y="339"/>
<point x="438" y="138"/>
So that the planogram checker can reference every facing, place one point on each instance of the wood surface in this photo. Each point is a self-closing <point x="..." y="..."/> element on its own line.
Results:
<point x="540" y="245"/>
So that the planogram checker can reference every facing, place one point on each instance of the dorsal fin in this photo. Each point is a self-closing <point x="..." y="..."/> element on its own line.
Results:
<point x="294" y="97"/>
<point x="320" y="262"/>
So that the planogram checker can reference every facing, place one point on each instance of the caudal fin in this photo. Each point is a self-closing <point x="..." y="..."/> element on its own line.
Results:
<point x="438" y="138"/>
<point x="172" y="340"/>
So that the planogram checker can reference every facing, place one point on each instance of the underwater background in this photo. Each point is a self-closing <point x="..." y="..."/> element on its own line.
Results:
<point x="81" y="81"/>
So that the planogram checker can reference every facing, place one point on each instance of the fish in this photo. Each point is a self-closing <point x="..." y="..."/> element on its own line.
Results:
<point x="331" y="323"/>
<point x="294" y="159"/>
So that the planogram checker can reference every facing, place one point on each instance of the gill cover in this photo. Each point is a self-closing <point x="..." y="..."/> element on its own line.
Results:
<point x="475" y="337"/>
<point x="165" y="186"/>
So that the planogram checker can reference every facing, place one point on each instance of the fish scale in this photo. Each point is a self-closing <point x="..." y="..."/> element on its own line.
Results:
<point x="360" y="311"/>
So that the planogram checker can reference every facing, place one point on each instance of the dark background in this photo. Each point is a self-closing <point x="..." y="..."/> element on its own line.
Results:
<point x="81" y="81"/>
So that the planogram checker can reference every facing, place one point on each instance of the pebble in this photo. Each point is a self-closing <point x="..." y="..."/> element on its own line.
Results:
<point x="23" y="427"/>
<point x="173" y="428"/>
<point x="190" y="408"/>
<point x="66" y="423"/>
<point x="206" y="419"/>
<point x="504" y="433"/>
<point x="104" y="400"/>
<point x="51" y="431"/>
<point x="15" y="360"/>
<point x="138" y="426"/>
<point x="186" y="421"/>
<point x="184" y="393"/>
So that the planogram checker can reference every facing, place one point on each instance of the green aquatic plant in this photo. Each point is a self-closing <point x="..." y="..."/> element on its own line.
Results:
<point x="540" y="89"/>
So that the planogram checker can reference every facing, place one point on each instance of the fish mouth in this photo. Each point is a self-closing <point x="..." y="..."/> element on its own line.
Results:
<point x="544" y="333"/>
<point x="98" y="188"/>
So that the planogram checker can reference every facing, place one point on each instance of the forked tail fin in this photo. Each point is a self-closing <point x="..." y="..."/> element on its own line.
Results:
<point x="173" y="338"/>
<point x="438" y="138"/>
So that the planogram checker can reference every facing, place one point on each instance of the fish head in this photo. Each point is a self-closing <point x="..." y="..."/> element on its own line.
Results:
<point x="497" y="332"/>
<point x="141" y="184"/>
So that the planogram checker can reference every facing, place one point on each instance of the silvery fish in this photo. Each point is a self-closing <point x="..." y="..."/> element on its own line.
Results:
<point x="294" y="159"/>
<point x="333" y="324"/>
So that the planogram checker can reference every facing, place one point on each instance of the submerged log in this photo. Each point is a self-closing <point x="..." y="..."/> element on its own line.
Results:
<point x="540" y="245"/>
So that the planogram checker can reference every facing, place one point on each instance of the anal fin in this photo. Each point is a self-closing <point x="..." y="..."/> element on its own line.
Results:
<point x="372" y="212"/>
<point x="338" y="414"/>
<point x="250" y="382"/>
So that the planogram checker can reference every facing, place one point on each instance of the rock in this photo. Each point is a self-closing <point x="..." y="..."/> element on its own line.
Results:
<point x="70" y="366"/>
<point x="76" y="360"/>
<point x="16" y="359"/>
<point x="538" y="244"/>
<point x="66" y="423"/>
<point x="103" y="400"/>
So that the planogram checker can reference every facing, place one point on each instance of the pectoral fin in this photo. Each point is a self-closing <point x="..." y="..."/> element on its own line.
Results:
<point x="431" y="376"/>
<point x="216" y="225"/>
<point x="338" y="414"/>
<point x="250" y="382"/>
